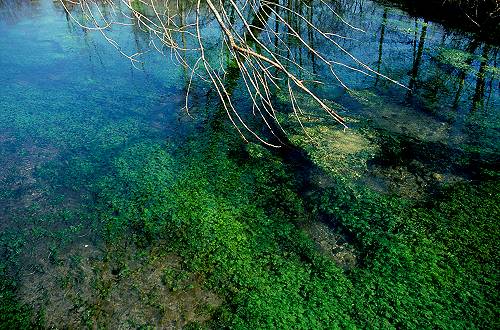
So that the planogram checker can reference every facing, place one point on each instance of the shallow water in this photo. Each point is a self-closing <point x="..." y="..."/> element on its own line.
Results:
<point x="70" y="104"/>
<point x="67" y="98"/>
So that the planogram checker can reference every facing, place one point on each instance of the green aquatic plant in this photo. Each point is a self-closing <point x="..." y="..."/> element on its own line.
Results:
<point x="457" y="58"/>
<point x="232" y="215"/>
<point x="493" y="70"/>
<point x="228" y="220"/>
<point x="341" y="153"/>
<point x="13" y="314"/>
<point x="236" y="218"/>
<point x="415" y="275"/>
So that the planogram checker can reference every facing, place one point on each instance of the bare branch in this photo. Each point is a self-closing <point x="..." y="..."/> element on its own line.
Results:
<point x="254" y="40"/>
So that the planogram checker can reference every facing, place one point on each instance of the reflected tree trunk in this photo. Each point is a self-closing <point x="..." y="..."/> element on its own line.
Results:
<point x="415" y="38"/>
<point x="463" y="73"/>
<point x="492" y="79"/>
<point x="418" y="59"/>
<point x="478" y="99"/>
<point x="266" y="43"/>
<point x="310" y="36"/>
<point x="381" y="43"/>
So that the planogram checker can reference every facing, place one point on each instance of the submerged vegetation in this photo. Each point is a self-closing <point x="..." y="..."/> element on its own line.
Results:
<point x="124" y="212"/>
<point x="232" y="219"/>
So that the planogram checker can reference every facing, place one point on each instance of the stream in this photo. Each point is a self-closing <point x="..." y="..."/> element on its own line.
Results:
<point x="92" y="145"/>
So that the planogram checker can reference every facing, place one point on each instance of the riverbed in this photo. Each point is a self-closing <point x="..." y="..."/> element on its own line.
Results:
<point x="121" y="209"/>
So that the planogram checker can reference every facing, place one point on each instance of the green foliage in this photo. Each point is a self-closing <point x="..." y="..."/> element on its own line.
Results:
<point x="13" y="313"/>
<point x="464" y="61"/>
<point x="142" y="181"/>
<point x="342" y="154"/>
<point x="235" y="219"/>
<point x="430" y="265"/>
<point x="457" y="58"/>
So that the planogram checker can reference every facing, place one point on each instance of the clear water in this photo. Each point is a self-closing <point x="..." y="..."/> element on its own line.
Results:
<point x="67" y="97"/>
<point x="69" y="103"/>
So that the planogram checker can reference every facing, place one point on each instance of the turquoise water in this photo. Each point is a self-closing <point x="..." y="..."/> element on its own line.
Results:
<point x="66" y="98"/>
<point x="77" y="117"/>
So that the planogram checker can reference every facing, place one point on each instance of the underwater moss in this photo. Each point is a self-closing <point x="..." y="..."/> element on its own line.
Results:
<point x="342" y="153"/>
